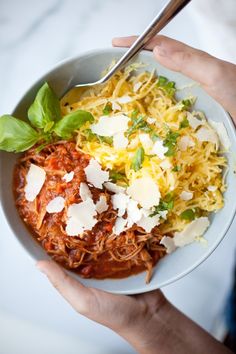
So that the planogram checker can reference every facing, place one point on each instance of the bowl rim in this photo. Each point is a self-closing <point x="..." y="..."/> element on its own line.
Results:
<point x="142" y="289"/>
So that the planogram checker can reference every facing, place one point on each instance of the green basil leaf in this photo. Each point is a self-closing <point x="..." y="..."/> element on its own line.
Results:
<point x="188" y="214"/>
<point x="45" y="108"/>
<point x="71" y="122"/>
<point x="138" y="158"/>
<point x="16" y="135"/>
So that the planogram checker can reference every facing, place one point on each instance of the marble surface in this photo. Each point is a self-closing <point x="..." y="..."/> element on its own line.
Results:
<point x="34" y="35"/>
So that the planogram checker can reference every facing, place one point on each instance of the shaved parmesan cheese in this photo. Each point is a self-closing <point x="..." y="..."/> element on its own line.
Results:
<point x="95" y="175"/>
<point x="146" y="142"/>
<point x="56" y="205"/>
<point x="194" y="229"/>
<point x="151" y="120"/>
<point x="119" y="226"/>
<point x="84" y="191"/>
<point x="185" y="142"/>
<point x="163" y="214"/>
<point x="68" y="176"/>
<point x="133" y="212"/>
<point x="222" y="134"/>
<point x="124" y="99"/>
<point x="114" y="188"/>
<point x="120" y="141"/>
<point x="186" y="195"/>
<point x="102" y="205"/>
<point x="110" y="125"/>
<point x="120" y="202"/>
<point x="205" y="134"/>
<point x="149" y="222"/>
<point x="74" y="227"/>
<point x="35" y="179"/>
<point x="193" y="121"/>
<point x="212" y="188"/>
<point x="115" y="106"/>
<point x="81" y="217"/>
<point x="145" y="191"/>
<point x="159" y="149"/>
<point x="137" y="86"/>
<point x="169" y="244"/>
<point x="165" y="164"/>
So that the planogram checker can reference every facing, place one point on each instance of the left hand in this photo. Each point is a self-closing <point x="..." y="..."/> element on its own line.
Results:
<point x="138" y="318"/>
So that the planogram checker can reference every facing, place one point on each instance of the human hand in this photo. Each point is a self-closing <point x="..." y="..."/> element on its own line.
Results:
<point x="216" y="76"/>
<point x="148" y="321"/>
<point x="136" y="318"/>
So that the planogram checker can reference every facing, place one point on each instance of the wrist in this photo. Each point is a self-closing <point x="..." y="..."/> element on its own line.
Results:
<point x="148" y="332"/>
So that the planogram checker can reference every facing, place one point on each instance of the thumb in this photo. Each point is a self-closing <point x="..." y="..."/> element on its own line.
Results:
<point x="111" y="310"/>
<point x="218" y="77"/>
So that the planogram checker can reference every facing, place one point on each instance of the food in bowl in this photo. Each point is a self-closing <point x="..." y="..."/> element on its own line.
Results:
<point x="115" y="177"/>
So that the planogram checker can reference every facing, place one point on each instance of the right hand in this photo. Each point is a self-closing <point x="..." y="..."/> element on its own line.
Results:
<point x="216" y="76"/>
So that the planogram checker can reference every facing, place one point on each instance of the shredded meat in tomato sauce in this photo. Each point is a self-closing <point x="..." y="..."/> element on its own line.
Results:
<point x="94" y="254"/>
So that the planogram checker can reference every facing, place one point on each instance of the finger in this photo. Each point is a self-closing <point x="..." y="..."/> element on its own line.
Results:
<point x="128" y="41"/>
<point x="216" y="76"/>
<point x="73" y="291"/>
<point x="114" y="311"/>
<point x="177" y="56"/>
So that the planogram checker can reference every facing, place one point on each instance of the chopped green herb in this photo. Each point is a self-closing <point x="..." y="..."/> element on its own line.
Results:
<point x="134" y="114"/>
<point x="107" y="109"/>
<point x="168" y="86"/>
<point x="105" y="139"/>
<point x="184" y="123"/>
<point x="154" y="136"/>
<point x="138" y="123"/>
<point x="90" y="136"/>
<point x="188" y="214"/>
<point x="187" y="103"/>
<point x="176" y="168"/>
<point x="137" y="160"/>
<point x="116" y="176"/>
<point x="167" y="203"/>
<point x="170" y="142"/>
<point x="162" y="80"/>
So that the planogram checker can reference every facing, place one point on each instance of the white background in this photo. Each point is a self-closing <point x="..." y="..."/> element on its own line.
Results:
<point x="34" y="35"/>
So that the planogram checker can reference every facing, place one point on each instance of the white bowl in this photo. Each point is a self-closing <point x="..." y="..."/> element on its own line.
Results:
<point x="86" y="68"/>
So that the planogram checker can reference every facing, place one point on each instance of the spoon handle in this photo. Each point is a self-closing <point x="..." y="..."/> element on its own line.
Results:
<point x="166" y="14"/>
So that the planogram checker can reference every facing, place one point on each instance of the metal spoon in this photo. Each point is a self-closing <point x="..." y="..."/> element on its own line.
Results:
<point x="166" y="14"/>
